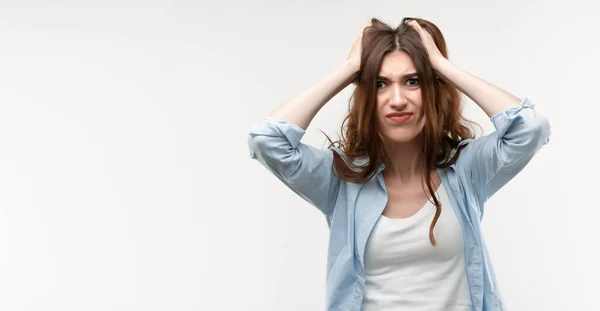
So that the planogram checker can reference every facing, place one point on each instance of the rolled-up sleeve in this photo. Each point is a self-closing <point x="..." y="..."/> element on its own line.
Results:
<point x="304" y="169"/>
<point x="493" y="160"/>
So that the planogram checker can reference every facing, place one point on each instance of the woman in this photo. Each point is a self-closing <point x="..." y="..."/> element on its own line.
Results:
<point x="404" y="191"/>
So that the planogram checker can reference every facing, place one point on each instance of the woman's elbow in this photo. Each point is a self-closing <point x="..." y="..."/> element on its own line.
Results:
<point x="540" y="130"/>
<point x="526" y="139"/>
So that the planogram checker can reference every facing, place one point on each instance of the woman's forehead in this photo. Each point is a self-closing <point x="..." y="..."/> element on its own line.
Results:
<point x="397" y="64"/>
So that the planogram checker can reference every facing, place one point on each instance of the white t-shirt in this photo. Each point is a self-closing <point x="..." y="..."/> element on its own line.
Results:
<point x="405" y="272"/>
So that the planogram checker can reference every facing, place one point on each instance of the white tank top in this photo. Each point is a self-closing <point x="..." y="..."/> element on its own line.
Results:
<point x="405" y="272"/>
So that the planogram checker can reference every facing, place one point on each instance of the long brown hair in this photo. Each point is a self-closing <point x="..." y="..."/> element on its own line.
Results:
<point x="444" y="128"/>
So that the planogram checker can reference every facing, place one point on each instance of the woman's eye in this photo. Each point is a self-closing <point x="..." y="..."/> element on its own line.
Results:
<point x="414" y="80"/>
<point x="411" y="82"/>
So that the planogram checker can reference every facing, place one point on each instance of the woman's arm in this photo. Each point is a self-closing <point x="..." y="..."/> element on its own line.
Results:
<point x="491" y="161"/>
<point x="302" y="108"/>
<point x="275" y="140"/>
<point x="489" y="97"/>
<point x="275" y="143"/>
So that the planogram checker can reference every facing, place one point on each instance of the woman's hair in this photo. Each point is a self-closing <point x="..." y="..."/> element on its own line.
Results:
<point x="444" y="128"/>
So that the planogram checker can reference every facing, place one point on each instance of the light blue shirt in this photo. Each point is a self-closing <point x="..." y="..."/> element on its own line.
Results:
<point x="351" y="209"/>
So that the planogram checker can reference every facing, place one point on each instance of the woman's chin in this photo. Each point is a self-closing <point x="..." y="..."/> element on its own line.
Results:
<point x="399" y="138"/>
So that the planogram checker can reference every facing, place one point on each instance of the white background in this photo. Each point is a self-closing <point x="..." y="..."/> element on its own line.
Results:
<point x="125" y="178"/>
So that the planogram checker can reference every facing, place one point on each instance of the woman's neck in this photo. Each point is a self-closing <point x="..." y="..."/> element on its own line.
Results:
<point x="404" y="161"/>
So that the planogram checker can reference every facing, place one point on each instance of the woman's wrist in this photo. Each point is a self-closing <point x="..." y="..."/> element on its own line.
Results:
<point x="351" y="67"/>
<point x="350" y="71"/>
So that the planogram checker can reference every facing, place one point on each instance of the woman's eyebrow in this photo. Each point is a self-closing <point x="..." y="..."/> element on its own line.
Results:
<point x="408" y="75"/>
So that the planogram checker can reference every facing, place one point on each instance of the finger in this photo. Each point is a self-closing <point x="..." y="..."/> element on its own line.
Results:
<point x="415" y="25"/>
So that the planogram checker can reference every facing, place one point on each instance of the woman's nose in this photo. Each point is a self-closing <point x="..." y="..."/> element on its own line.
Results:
<point x="397" y="96"/>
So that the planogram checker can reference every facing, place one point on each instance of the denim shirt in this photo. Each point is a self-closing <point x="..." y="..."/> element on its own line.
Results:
<point x="351" y="209"/>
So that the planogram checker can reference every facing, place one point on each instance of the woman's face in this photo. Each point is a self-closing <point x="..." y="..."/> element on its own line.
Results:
<point x="399" y="105"/>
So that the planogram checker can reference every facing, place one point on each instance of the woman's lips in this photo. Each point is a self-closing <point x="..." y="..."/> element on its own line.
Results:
<point x="400" y="119"/>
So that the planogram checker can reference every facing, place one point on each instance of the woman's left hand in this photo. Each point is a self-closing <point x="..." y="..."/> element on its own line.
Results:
<point x="432" y="50"/>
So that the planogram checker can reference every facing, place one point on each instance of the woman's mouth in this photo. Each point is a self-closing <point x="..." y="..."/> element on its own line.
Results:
<point x="400" y="118"/>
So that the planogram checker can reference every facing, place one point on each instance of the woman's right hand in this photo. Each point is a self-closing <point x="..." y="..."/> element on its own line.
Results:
<point x="355" y="53"/>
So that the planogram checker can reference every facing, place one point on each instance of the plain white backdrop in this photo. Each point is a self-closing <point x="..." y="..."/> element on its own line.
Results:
<point x="125" y="178"/>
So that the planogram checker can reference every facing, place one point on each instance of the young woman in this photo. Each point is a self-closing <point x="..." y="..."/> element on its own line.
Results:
<point x="403" y="191"/>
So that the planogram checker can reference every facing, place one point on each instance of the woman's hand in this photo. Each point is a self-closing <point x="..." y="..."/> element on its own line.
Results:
<point x="435" y="56"/>
<point x="353" y="59"/>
